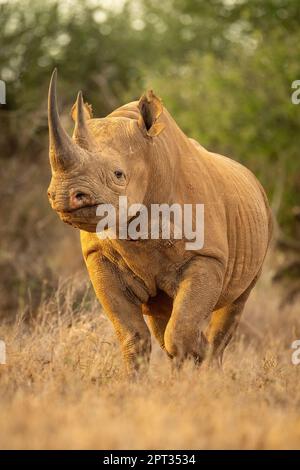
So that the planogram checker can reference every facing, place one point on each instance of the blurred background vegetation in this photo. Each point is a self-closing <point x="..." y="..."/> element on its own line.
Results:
<point x="224" y="69"/>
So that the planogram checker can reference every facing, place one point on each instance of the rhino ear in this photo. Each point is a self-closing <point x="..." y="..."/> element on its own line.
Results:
<point x="151" y="108"/>
<point x="88" y="111"/>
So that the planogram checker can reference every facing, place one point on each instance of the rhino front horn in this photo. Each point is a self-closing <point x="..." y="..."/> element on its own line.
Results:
<point x="62" y="149"/>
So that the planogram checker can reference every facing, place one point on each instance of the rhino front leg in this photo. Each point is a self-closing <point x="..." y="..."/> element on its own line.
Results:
<point x="197" y="295"/>
<point x="124" y="312"/>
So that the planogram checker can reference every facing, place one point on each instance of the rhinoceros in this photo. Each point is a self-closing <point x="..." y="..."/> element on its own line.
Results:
<point x="190" y="300"/>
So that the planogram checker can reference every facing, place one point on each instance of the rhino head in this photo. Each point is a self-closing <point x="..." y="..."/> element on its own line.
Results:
<point x="105" y="158"/>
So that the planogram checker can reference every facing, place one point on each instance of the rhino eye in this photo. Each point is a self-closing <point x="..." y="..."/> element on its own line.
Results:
<point x="119" y="174"/>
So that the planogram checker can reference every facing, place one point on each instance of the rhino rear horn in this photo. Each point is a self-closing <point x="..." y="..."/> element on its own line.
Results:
<point x="81" y="134"/>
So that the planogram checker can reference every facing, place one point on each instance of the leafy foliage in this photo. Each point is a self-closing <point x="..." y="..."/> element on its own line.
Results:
<point x="224" y="69"/>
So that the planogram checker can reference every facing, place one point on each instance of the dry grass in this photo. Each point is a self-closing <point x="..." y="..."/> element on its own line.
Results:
<point x="63" y="385"/>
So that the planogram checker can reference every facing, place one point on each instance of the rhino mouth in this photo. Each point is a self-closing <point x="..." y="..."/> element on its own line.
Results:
<point x="84" y="218"/>
<point x="82" y="209"/>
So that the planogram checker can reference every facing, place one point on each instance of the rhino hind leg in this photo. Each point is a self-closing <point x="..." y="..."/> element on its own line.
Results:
<point x="158" y="311"/>
<point x="157" y="326"/>
<point x="223" y="325"/>
<point x="221" y="328"/>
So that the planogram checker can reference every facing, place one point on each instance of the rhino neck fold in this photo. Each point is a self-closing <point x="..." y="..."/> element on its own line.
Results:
<point x="170" y="172"/>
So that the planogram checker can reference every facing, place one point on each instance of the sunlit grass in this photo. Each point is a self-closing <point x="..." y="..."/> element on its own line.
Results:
<point x="64" y="387"/>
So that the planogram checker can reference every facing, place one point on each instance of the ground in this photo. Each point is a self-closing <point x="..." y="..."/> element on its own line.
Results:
<point x="63" y="385"/>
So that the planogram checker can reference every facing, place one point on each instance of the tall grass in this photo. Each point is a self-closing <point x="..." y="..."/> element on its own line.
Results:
<point x="63" y="385"/>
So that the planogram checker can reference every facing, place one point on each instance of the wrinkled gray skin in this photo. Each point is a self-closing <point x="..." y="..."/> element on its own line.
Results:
<point x="193" y="299"/>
